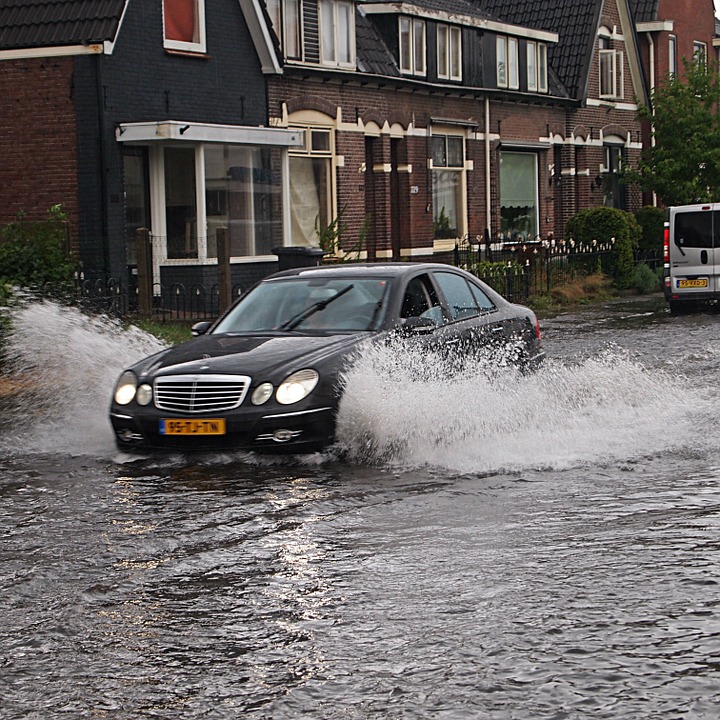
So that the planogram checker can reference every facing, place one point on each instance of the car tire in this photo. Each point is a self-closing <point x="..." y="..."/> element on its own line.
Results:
<point x="680" y="307"/>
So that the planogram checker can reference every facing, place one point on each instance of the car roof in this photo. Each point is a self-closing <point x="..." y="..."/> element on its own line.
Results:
<point x="395" y="269"/>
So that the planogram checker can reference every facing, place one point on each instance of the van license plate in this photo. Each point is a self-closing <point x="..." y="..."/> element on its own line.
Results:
<point x="204" y="426"/>
<point x="698" y="283"/>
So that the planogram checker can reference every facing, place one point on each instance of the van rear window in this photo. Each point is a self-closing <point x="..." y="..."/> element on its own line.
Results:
<point x="694" y="229"/>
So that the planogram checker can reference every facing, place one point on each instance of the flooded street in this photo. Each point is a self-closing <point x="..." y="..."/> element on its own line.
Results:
<point x="534" y="548"/>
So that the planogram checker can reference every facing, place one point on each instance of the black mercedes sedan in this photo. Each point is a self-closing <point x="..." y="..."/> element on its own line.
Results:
<point x="267" y="375"/>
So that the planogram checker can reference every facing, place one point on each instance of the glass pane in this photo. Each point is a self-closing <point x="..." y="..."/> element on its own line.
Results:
<point x="446" y="187"/>
<point x="483" y="301"/>
<point x="405" y="45"/>
<point x="542" y="68"/>
<point x="180" y="208"/>
<point x="439" y="151"/>
<point x="181" y="21"/>
<point x="531" y="66"/>
<point x="513" y="71"/>
<point x="442" y="51"/>
<point x="419" y="46"/>
<point x="693" y="229"/>
<point x="455" y="53"/>
<point x="292" y="28"/>
<point x="137" y="205"/>
<point x="458" y="296"/>
<point x="327" y="41"/>
<point x="320" y="140"/>
<point x="501" y="49"/>
<point x="518" y="195"/>
<point x="344" y="32"/>
<point x="309" y="198"/>
<point x="455" y="151"/>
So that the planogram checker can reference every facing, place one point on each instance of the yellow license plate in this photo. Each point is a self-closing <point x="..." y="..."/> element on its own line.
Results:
<point x="203" y="426"/>
<point x="698" y="283"/>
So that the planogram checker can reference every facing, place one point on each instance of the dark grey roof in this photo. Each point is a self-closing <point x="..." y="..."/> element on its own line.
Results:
<point x="373" y="55"/>
<point x="575" y="22"/>
<point x="52" y="23"/>
<point x="644" y="10"/>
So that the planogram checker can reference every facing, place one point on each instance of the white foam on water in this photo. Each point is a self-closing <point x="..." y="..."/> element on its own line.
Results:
<point x="408" y="409"/>
<point x="401" y="407"/>
<point x="65" y="363"/>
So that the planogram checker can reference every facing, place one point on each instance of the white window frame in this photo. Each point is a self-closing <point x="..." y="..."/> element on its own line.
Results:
<point x="672" y="55"/>
<point x="338" y="31"/>
<point x="287" y="26"/>
<point x="611" y="64"/>
<point x="194" y="47"/>
<point x="449" y="58"/>
<point x="700" y="54"/>
<point x="537" y="67"/>
<point x="462" y="210"/>
<point x="507" y="57"/>
<point x="413" y="51"/>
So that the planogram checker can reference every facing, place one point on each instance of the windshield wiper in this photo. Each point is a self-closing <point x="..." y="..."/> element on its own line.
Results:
<point x="294" y="321"/>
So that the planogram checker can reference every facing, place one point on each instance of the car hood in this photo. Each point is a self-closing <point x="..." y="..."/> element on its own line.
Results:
<point x="269" y="355"/>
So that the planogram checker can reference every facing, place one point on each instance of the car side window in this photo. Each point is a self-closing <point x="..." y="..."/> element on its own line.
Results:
<point x="460" y="298"/>
<point x="420" y="300"/>
<point x="484" y="302"/>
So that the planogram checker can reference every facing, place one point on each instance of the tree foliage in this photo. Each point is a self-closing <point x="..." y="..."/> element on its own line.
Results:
<point x="682" y="165"/>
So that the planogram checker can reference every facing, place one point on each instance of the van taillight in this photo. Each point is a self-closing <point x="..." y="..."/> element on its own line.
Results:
<point x="537" y="329"/>
<point x="666" y="244"/>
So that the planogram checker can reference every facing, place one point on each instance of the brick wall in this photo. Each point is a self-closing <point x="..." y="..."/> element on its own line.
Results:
<point x="38" y="166"/>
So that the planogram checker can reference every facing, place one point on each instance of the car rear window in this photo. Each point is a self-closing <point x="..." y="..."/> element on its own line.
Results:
<point x="694" y="229"/>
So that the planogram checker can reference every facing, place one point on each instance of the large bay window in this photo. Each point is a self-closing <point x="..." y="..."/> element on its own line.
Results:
<point x="518" y="195"/>
<point x="448" y="185"/>
<point x="337" y="33"/>
<point x="184" y="25"/>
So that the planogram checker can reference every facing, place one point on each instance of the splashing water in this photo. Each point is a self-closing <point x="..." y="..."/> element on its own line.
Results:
<point x="601" y="409"/>
<point x="65" y="364"/>
<point x="401" y="407"/>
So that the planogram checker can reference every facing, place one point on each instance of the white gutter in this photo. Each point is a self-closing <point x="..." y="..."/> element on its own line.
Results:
<point x="46" y="52"/>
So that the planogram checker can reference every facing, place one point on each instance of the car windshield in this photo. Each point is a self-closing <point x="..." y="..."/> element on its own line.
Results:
<point x="310" y="304"/>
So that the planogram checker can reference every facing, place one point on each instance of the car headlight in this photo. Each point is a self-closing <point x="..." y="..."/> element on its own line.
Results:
<point x="126" y="388"/>
<point x="144" y="394"/>
<point x="262" y="393"/>
<point x="297" y="386"/>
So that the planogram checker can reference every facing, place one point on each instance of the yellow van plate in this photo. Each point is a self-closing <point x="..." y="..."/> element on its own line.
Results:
<point x="697" y="283"/>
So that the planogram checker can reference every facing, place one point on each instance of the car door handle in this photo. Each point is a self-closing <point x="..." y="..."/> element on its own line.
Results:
<point x="498" y="329"/>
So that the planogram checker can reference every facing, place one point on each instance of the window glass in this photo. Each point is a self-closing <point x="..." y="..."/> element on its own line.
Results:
<point x="513" y="70"/>
<point x="184" y="24"/>
<point x="501" y="51"/>
<point x="448" y="185"/>
<point x="292" y="28"/>
<point x="460" y="300"/>
<point x="420" y="300"/>
<point x="405" y="45"/>
<point x="484" y="302"/>
<point x="693" y="229"/>
<point x="419" y="47"/>
<point x="542" y="68"/>
<point x="443" y="70"/>
<point x="672" y="55"/>
<point x="337" y="22"/>
<point x="180" y="202"/>
<point x="243" y="195"/>
<point x="532" y="66"/>
<point x="455" y="54"/>
<point x="309" y="198"/>
<point x="518" y="195"/>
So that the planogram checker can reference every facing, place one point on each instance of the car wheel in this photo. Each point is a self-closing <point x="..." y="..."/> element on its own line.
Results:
<point x="680" y="307"/>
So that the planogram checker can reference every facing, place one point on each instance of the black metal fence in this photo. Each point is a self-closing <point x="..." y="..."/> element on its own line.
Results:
<point x="520" y="270"/>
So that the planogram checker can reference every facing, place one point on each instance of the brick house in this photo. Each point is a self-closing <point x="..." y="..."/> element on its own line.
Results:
<point x="429" y="121"/>
<point x="143" y="114"/>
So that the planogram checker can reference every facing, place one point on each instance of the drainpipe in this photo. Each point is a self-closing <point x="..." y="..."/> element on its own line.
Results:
<point x="488" y="208"/>
<point x="651" y="45"/>
<point x="100" y="91"/>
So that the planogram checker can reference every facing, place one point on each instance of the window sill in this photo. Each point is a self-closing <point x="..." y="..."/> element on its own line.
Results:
<point x="188" y="53"/>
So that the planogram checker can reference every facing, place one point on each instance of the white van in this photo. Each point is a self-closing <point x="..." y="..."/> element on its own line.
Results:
<point x="692" y="255"/>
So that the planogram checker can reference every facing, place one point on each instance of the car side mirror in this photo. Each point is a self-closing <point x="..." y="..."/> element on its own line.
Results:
<point x="200" y="328"/>
<point x="418" y="326"/>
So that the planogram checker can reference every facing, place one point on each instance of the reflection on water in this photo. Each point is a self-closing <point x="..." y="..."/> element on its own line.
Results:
<point x="531" y="547"/>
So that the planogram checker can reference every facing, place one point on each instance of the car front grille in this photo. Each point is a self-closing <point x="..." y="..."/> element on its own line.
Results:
<point x="200" y="393"/>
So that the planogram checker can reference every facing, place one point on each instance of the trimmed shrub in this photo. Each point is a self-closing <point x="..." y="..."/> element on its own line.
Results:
<point x="609" y="225"/>
<point x="645" y="280"/>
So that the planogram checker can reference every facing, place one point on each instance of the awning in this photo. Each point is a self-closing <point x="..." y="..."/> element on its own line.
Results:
<point x="180" y="131"/>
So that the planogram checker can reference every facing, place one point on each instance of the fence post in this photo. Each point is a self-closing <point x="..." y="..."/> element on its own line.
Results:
<point x="224" y="279"/>
<point x="144" y="270"/>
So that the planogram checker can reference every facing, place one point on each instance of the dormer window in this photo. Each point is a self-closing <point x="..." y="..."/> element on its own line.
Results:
<point x="412" y="46"/>
<point x="537" y="78"/>
<point x="507" y="58"/>
<point x="285" y="16"/>
<point x="449" y="52"/>
<point x="184" y="25"/>
<point x="337" y="33"/>
<point x="611" y="68"/>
